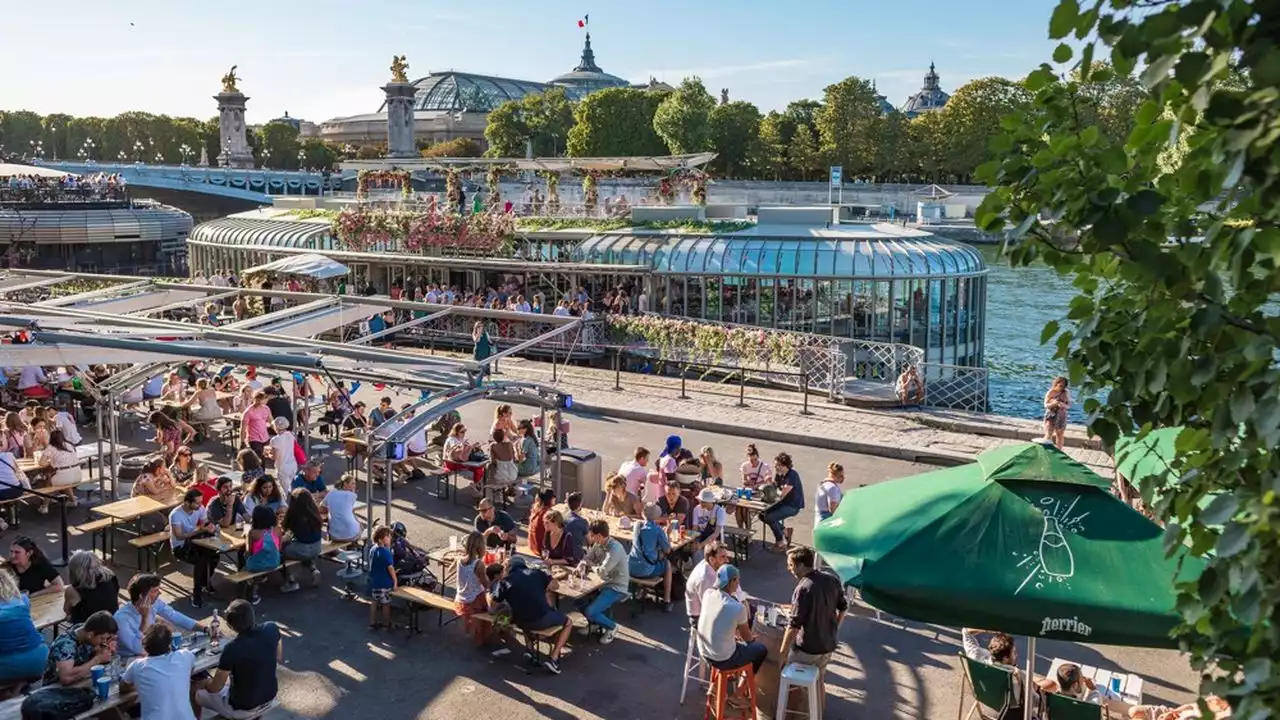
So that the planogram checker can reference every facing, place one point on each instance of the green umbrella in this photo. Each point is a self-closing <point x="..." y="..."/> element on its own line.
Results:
<point x="1025" y="540"/>
<point x="1152" y="455"/>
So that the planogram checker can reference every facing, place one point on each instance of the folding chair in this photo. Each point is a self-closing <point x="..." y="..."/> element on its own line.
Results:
<point x="1063" y="707"/>
<point x="992" y="687"/>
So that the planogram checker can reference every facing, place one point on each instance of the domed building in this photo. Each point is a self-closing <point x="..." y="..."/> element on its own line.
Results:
<point x="452" y="104"/>
<point x="929" y="98"/>
<point x="885" y="106"/>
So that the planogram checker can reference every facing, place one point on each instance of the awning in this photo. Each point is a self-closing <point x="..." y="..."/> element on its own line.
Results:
<point x="310" y="320"/>
<point x="140" y="301"/>
<point x="311" y="265"/>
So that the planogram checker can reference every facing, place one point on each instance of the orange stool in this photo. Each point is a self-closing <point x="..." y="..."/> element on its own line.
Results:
<point x="718" y="693"/>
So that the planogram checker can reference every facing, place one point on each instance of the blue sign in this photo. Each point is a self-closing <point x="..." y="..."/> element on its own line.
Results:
<point x="837" y="172"/>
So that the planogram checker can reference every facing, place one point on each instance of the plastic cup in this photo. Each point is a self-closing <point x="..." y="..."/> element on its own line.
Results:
<point x="1115" y="685"/>
<point x="453" y="542"/>
<point x="177" y="641"/>
<point x="97" y="671"/>
<point x="103" y="686"/>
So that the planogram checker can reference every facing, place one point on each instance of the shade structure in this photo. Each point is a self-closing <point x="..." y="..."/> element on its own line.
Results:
<point x="311" y="265"/>
<point x="1152" y="455"/>
<point x="1025" y="540"/>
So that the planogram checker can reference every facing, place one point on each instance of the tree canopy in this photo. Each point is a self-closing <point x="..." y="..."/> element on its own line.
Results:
<point x="735" y="135"/>
<point x="543" y="119"/>
<point x="616" y="122"/>
<point x="1176" y="260"/>
<point x="683" y="119"/>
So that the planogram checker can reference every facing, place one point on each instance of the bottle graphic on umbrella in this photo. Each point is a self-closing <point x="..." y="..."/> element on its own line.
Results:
<point x="1056" y="559"/>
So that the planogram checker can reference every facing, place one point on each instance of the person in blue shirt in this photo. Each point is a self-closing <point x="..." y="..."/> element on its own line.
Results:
<point x="143" y="609"/>
<point x="790" y="500"/>
<point x="309" y="478"/>
<point x="382" y="578"/>
<point x="23" y="654"/>
<point x="377" y="324"/>
<point x="649" y="550"/>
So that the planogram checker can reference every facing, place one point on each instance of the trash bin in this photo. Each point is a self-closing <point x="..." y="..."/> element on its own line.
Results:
<point x="580" y="471"/>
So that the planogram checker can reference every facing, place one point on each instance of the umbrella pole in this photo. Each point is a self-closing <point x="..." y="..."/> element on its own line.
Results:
<point x="1028" y="681"/>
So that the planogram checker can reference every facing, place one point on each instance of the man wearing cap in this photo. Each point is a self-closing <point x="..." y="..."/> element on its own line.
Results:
<point x="704" y="579"/>
<point x="724" y="633"/>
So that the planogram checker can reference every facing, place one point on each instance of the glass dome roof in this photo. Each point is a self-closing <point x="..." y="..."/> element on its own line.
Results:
<point x="464" y="92"/>
<point x="851" y="257"/>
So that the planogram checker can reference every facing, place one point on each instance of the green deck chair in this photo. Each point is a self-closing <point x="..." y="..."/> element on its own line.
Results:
<point x="992" y="687"/>
<point x="1062" y="707"/>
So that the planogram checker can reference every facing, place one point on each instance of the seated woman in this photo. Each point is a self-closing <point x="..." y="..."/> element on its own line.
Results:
<point x="154" y="481"/>
<point x="542" y="503"/>
<point x="619" y="502"/>
<point x="458" y="451"/>
<point x="558" y="546"/>
<point x="183" y="468"/>
<point x="710" y="469"/>
<point x="173" y="389"/>
<point x="263" y="545"/>
<point x="36" y="575"/>
<point x="92" y="587"/>
<point x="204" y="403"/>
<point x="304" y="534"/>
<point x="339" y="505"/>
<point x="266" y="493"/>
<point x="649" y="550"/>
<point x="37" y="439"/>
<point x="502" y="460"/>
<point x="250" y="466"/>
<point x="64" y="466"/>
<point x="528" y="454"/>
<point x="25" y="653"/>
<point x="170" y="433"/>
<point x="471" y="597"/>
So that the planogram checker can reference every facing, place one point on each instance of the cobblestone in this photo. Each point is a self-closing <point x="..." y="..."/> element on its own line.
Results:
<point x="944" y="437"/>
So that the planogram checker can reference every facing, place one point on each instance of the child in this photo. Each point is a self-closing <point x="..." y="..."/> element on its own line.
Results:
<point x="264" y="546"/>
<point x="382" y="578"/>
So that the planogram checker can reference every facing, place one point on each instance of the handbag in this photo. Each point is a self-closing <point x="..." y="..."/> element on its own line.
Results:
<point x="299" y="455"/>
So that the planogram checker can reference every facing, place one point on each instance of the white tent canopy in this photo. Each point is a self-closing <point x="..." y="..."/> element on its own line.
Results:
<point x="10" y="169"/>
<point x="311" y="265"/>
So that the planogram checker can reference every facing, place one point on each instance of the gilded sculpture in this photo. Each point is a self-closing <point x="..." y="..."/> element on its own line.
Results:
<point x="229" y="81"/>
<point x="398" y="68"/>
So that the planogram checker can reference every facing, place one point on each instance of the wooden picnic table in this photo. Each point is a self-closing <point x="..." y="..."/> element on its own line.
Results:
<point x="627" y="534"/>
<point x="47" y="609"/>
<point x="137" y="507"/>
<point x="84" y="454"/>
<point x="232" y="539"/>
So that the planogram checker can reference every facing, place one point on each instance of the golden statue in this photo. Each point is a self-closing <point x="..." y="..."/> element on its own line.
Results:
<point x="229" y="81"/>
<point x="398" y="68"/>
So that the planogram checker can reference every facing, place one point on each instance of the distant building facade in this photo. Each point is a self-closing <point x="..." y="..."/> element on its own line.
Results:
<point x="930" y="97"/>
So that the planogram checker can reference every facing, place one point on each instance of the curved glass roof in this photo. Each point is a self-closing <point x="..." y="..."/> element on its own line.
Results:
<point x="844" y="258"/>
<point x="261" y="232"/>
<point x="464" y="92"/>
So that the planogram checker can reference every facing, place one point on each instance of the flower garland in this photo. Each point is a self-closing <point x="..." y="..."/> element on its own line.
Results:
<point x="590" y="191"/>
<point x="553" y="192"/>
<point x="452" y="186"/>
<point x="691" y="178"/>
<point x="493" y="180"/>
<point x="365" y="177"/>
<point x="675" y="336"/>
<point x="360" y="227"/>
<point x="697" y="181"/>
<point x="666" y="191"/>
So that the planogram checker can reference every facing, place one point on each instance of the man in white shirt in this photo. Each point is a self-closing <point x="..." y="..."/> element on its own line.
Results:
<point x="703" y="579"/>
<point x="642" y="303"/>
<point x="162" y="678"/>
<point x="724" y="632"/>
<point x="635" y="470"/>
<point x="64" y="422"/>
<point x="142" y="611"/>
<point x="217" y="279"/>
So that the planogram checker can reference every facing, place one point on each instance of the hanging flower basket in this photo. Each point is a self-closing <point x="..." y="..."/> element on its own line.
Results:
<point x="360" y="228"/>
<point x="590" y="191"/>
<point x="553" y="193"/>
<point x="367" y="178"/>
<point x="673" y="337"/>
<point x="493" y="183"/>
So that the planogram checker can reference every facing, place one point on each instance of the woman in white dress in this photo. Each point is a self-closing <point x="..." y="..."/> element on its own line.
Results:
<point x="204" y="403"/>
<point x="280" y="450"/>
<point x="60" y="455"/>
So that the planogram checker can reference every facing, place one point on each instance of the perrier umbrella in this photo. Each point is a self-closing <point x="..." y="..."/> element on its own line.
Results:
<point x="1025" y="540"/>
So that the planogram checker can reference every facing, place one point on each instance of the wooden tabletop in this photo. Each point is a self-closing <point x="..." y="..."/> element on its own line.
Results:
<point x="136" y="507"/>
<point x="233" y="539"/>
<point x="571" y="589"/>
<point x="622" y="534"/>
<point x="46" y="609"/>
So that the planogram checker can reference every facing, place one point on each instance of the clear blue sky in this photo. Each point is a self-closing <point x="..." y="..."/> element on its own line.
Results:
<point x="323" y="58"/>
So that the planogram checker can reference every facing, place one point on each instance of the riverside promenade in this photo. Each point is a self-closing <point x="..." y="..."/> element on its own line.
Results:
<point x="924" y="435"/>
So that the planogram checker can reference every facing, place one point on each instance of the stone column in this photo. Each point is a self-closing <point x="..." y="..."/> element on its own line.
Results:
<point x="400" y="142"/>
<point x="231" y="130"/>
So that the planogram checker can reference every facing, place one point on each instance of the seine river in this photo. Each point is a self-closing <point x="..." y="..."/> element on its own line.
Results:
<point x="1019" y="303"/>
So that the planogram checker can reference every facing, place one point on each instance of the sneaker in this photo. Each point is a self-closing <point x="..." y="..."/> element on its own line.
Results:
<point x="44" y="508"/>
<point x="255" y="598"/>
<point x="584" y="631"/>
<point x="608" y="636"/>
<point x="552" y="666"/>
<point x="197" y="602"/>
<point x="315" y="576"/>
<point x="289" y="587"/>
<point x="666" y="607"/>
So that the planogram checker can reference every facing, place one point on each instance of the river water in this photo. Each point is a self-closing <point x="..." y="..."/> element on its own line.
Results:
<point x="1019" y="303"/>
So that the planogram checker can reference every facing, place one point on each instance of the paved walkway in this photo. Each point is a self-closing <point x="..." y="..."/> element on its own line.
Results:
<point x="943" y="437"/>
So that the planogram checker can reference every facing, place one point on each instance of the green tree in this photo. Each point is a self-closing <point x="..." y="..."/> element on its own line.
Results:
<point x="802" y="153"/>
<point x="616" y="122"/>
<point x="683" y="119"/>
<point x="18" y="130"/>
<point x="550" y="118"/>
<point x="1177" y="267"/>
<point x="318" y="154"/>
<point x="972" y="118"/>
<point x="771" y="148"/>
<point x="1111" y="103"/>
<point x="278" y="145"/>
<point x="797" y="113"/>
<point x="930" y="146"/>
<point x="506" y="130"/>
<point x="849" y="123"/>
<point x="893" y="150"/>
<point x="372" y="151"/>
<point x="457" y="147"/>
<point x="735" y="131"/>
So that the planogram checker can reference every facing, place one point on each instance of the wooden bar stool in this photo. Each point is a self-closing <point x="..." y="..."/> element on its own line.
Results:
<point x="718" y="693"/>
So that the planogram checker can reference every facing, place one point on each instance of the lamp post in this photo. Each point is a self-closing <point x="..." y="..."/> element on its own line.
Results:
<point x="186" y="152"/>
<point x="86" y="150"/>
<point x="137" y="151"/>
<point x="122" y="156"/>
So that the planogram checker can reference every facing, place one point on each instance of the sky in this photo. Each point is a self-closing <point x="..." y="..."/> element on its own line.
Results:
<point x="327" y="58"/>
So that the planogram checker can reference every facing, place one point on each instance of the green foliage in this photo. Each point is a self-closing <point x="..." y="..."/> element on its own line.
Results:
<point x="531" y="224"/>
<point x="1178" y="270"/>
<point x="683" y="119"/>
<point x="313" y="213"/>
<point x="319" y="155"/>
<point x="543" y="118"/>
<point x="616" y="122"/>
<point x="457" y="147"/>
<point x="735" y="133"/>
<point x="278" y="145"/>
<point x="848" y="125"/>
<point x="771" y="150"/>
<point x="931" y="145"/>
<point x="972" y="119"/>
<point x="802" y="153"/>
<point x="18" y="129"/>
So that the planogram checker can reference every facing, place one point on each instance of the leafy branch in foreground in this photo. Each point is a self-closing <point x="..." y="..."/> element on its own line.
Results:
<point x="1173" y="243"/>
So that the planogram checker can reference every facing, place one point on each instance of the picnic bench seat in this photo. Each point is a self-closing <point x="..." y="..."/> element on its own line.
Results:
<point x="94" y="529"/>
<point x="243" y="576"/>
<point x="275" y="703"/>
<point x="739" y="541"/>
<point x="642" y="587"/>
<point x="418" y="600"/>
<point x="149" y="547"/>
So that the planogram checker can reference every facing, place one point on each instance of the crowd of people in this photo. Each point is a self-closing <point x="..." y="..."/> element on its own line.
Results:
<point x="32" y="188"/>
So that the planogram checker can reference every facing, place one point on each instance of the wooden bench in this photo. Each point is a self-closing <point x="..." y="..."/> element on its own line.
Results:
<point x="533" y="640"/>
<point x="94" y="529"/>
<point x="149" y="547"/>
<point x="738" y="540"/>
<point x="241" y="577"/>
<point x="275" y="703"/>
<point x="418" y="600"/>
<point x="640" y="587"/>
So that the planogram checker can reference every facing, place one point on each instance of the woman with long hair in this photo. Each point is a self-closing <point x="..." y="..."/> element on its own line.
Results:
<point x="502" y="460"/>
<point x="266" y="493"/>
<point x="504" y="420"/>
<point x="304" y="533"/>
<point x="154" y="481"/>
<point x="14" y="439"/>
<point x="64" y="465"/>
<point x="23" y="653"/>
<point x="263" y="544"/>
<point x="537" y="529"/>
<point x="457" y="454"/>
<point x="1056" y="403"/>
<point x="471" y="597"/>
<point x="91" y="586"/>
<point x="183" y="469"/>
<point x="558" y="546"/>
<point x="204" y="402"/>
<point x="36" y="575"/>
<point x="250" y="466"/>
<point x="339" y="506"/>
<point x="170" y="433"/>
<point x="528" y="454"/>
<point x="710" y="470"/>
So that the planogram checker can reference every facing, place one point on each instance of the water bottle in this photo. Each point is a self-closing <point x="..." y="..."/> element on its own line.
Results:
<point x="215" y="630"/>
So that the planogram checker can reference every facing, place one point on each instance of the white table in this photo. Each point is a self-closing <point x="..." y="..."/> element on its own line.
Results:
<point x="1130" y="684"/>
